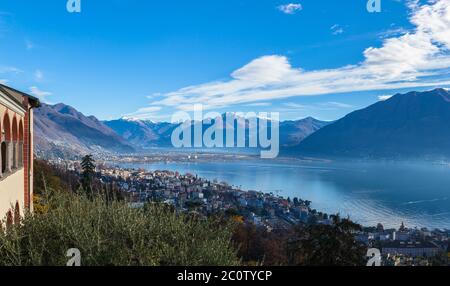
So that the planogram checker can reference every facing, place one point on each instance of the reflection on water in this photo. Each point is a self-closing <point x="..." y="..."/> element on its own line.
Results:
<point x="417" y="194"/>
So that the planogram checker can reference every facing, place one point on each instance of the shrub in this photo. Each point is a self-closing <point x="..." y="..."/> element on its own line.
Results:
<point x="112" y="233"/>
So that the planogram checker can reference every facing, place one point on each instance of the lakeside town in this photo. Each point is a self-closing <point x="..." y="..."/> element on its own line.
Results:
<point x="189" y="193"/>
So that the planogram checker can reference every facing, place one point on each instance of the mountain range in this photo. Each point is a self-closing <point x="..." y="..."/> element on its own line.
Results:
<point x="62" y="131"/>
<point x="147" y="134"/>
<point x="411" y="125"/>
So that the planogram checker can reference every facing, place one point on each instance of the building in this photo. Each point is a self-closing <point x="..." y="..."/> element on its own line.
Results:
<point x="411" y="249"/>
<point x="16" y="156"/>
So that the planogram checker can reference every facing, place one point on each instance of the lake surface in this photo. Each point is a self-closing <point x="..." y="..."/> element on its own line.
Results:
<point x="389" y="193"/>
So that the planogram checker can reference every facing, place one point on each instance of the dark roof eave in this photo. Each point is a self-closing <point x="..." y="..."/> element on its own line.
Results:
<point x="34" y="101"/>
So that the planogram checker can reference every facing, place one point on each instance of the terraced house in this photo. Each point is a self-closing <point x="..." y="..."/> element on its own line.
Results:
<point x="16" y="156"/>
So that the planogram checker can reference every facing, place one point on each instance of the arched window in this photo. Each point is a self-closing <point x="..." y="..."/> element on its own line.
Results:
<point x="14" y="144"/>
<point x="3" y="151"/>
<point x="6" y="128"/>
<point x="20" y="156"/>
<point x="5" y="145"/>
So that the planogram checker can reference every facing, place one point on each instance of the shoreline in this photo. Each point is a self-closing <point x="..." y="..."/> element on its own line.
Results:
<point x="115" y="165"/>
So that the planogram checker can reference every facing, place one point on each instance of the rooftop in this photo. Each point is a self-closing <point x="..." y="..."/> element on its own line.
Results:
<point x="402" y="244"/>
<point x="18" y="95"/>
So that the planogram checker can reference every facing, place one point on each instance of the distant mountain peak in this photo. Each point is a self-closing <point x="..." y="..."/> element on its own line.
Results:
<point x="413" y="124"/>
<point x="61" y="129"/>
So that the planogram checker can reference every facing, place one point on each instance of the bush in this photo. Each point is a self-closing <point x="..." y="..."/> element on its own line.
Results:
<point x="112" y="233"/>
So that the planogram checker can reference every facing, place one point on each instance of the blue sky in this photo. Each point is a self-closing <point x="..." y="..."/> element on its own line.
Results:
<point x="148" y="59"/>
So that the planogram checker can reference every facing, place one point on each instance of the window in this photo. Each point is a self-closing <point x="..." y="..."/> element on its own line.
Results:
<point x="14" y="143"/>
<point x="4" y="158"/>
<point x="20" y="151"/>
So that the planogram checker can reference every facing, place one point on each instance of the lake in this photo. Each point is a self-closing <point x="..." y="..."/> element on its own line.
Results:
<point x="389" y="193"/>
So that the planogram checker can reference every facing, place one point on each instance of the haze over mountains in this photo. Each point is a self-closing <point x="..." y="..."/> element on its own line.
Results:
<point x="147" y="134"/>
<point x="63" y="131"/>
<point x="416" y="124"/>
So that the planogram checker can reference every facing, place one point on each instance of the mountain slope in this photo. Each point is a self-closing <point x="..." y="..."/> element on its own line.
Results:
<point x="406" y="125"/>
<point x="294" y="132"/>
<point x="144" y="134"/>
<point x="147" y="134"/>
<point x="62" y="130"/>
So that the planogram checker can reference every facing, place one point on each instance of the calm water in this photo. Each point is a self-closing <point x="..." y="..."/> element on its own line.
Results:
<point x="417" y="194"/>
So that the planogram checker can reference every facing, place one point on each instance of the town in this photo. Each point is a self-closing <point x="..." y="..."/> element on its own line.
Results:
<point x="192" y="194"/>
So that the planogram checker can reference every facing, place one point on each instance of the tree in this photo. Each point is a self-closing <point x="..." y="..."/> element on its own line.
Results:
<point x="87" y="164"/>
<point x="323" y="245"/>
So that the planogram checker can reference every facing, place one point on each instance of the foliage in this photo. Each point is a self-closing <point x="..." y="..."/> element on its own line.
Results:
<point x="48" y="177"/>
<point x="327" y="245"/>
<point x="88" y="166"/>
<point x="257" y="246"/>
<point x="108" y="232"/>
<point x="112" y="233"/>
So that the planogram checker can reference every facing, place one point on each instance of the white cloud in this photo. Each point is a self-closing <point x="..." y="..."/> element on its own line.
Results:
<point x="290" y="8"/>
<point x="337" y="29"/>
<point x="418" y="58"/>
<point x="338" y="104"/>
<point x="42" y="95"/>
<point x="293" y="105"/>
<point x="260" y="104"/>
<point x="290" y="106"/>
<point x="393" y="32"/>
<point x="8" y="69"/>
<point x="384" y="97"/>
<point x="145" y="113"/>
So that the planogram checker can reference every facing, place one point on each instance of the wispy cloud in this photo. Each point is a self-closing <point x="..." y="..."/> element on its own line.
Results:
<point x="419" y="58"/>
<point x="29" y="44"/>
<point x="338" y="104"/>
<point x="6" y="70"/>
<point x="259" y="104"/>
<point x="9" y="69"/>
<point x="292" y="106"/>
<point x="393" y="32"/>
<point x="38" y="75"/>
<point x="384" y="97"/>
<point x="337" y="29"/>
<point x="290" y="8"/>
<point x="146" y="113"/>
<point x="42" y="95"/>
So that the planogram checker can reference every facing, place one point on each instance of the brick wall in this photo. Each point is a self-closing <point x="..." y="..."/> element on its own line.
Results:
<point x="26" y="157"/>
